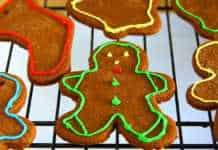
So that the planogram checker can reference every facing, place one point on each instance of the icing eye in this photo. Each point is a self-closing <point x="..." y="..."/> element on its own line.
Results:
<point x="109" y="54"/>
<point x="126" y="54"/>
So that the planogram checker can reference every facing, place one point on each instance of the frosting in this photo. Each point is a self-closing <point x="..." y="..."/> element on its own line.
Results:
<point x="67" y="46"/>
<point x="118" y="29"/>
<point x="208" y="70"/>
<point x="109" y="54"/>
<point x="201" y="21"/>
<point x="126" y="54"/>
<point x="116" y="101"/>
<point x="9" y="106"/>
<point x="115" y="83"/>
<point x="141" y="136"/>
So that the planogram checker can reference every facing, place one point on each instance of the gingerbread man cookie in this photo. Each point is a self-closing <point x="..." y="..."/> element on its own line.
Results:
<point x="46" y="35"/>
<point x="118" y="18"/>
<point x="203" y="94"/>
<point x="118" y="92"/>
<point x="201" y="13"/>
<point x="15" y="131"/>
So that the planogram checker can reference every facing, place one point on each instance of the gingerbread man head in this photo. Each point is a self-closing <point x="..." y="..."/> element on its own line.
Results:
<point x="116" y="93"/>
<point x="118" y="59"/>
<point x="15" y="131"/>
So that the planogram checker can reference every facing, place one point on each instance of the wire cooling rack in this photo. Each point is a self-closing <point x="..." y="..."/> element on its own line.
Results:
<point x="169" y="51"/>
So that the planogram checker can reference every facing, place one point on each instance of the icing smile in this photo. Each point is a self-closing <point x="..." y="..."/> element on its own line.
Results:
<point x="117" y="69"/>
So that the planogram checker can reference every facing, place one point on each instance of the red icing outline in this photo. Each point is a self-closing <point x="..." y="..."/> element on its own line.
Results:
<point x="68" y="42"/>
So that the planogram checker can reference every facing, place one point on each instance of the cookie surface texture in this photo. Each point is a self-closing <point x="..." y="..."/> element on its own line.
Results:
<point x="46" y="35"/>
<point x="202" y="14"/>
<point x="117" y="92"/>
<point x="117" y="18"/>
<point x="15" y="131"/>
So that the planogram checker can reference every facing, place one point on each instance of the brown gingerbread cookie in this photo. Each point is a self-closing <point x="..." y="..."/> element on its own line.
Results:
<point x="203" y="94"/>
<point x="118" y="18"/>
<point x="202" y="14"/>
<point x="46" y="35"/>
<point x="15" y="131"/>
<point x="118" y="92"/>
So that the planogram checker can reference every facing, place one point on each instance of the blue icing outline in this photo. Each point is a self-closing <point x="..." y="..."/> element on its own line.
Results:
<point x="10" y="105"/>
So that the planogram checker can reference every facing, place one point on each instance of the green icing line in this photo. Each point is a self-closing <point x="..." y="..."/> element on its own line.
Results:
<point x="115" y="82"/>
<point x="116" y="101"/>
<point x="201" y="21"/>
<point x="141" y="136"/>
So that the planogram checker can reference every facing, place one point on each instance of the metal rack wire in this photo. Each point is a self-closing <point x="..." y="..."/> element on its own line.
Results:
<point x="169" y="40"/>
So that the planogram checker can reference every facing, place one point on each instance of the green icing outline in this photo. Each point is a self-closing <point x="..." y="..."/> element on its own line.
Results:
<point x="141" y="136"/>
<point x="201" y="21"/>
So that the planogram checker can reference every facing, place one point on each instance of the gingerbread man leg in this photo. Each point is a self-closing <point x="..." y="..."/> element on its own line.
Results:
<point x="145" y="120"/>
<point x="78" y="130"/>
<point x="47" y="37"/>
<point x="146" y="135"/>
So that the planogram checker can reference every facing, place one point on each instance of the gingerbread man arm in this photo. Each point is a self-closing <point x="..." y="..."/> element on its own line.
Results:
<point x="69" y="81"/>
<point x="160" y="83"/>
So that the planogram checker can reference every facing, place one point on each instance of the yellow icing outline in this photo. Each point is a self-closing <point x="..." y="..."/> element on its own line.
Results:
<point x="210" y="71"/>
<point x="119" y="29"/>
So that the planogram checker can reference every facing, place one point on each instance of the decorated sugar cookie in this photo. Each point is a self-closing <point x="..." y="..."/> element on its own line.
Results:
<point x="117" y="92"/>
<point x="202" y="14"/>
<point x="118" y="18"/>
<point x="15" y="131"/>
<point x="203" y="94"/>
<point x="46" y="35"/>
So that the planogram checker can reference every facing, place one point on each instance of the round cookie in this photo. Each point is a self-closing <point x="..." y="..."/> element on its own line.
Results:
<point x="202" y="14"/>
<point x="117" y="92"/>
<point x="117" y="18"/>
<point x="46" y="35"/>
<point x="15" y="131"/>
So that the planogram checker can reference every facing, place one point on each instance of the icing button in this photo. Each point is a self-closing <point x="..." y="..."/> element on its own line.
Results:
<point x="116" y="101"/>
<point x="115" y="82"/>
